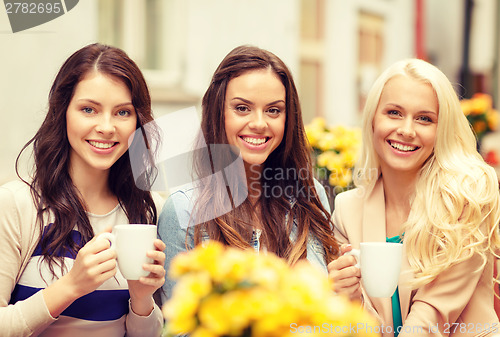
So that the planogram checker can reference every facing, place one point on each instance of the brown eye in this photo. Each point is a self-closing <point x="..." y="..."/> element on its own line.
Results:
<point x="242" y="108"/>
<point x="274" y="111"/>
<point x="123" y="113"/>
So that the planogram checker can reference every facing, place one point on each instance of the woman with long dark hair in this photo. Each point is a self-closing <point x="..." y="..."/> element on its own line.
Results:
<point x="56" y="278"/>
<point x="272" y="203"/>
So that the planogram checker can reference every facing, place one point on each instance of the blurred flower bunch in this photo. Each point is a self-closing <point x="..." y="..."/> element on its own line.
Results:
<point x="223" y="291"/>
<point x="480" y="113"/>
<point x="335" y="150"/>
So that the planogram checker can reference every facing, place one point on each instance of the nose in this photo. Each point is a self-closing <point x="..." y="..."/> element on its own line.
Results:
<point x="406" y="129"/>
<point x="105" y="124"/>
<point x="257" y="122"/>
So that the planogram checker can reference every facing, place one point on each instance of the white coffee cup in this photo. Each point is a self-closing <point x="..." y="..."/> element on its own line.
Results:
<point x="131" y="243"/>
<point x="380" y="264"/>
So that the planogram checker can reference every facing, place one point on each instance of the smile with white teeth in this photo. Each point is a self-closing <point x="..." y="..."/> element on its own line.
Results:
<point x="254" y="141"/>
<point x="404" y="148"/>
<point x="101" y="145"/>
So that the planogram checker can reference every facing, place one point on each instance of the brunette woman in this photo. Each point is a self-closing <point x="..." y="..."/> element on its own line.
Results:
<point x="56" y="278"/>
<point x="271" y="202"/>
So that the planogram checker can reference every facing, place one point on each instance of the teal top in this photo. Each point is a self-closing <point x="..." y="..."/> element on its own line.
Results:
<point x="397" y="320"/>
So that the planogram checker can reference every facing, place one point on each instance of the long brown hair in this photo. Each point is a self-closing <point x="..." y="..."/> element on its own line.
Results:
<point x="51" y="185"/>
<point x="292" y="155"/>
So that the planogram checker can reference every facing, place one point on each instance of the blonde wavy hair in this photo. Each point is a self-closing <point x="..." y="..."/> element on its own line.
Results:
<point x="455" y="210"/>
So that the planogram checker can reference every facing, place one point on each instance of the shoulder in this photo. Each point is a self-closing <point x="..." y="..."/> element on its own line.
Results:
<point x="180" y="199"/>
<point x="350" y="197"/>
<point x="16" y="194"/>
<point x="177" y="209"/>
<point x="15" y="188"/>
<point x="349" y="206"/>
<point x="18" y="212"/>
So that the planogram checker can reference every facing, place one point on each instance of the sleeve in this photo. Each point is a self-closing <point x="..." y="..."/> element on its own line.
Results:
<point x="338" y="225"/>
<point x="172" y="230"/>
<point x="144" y="326"/>
<point x="323" y="198"/>
<point x="31" y="316"/>
<point x="438" y="305"/>
<point x="341" y="235"/>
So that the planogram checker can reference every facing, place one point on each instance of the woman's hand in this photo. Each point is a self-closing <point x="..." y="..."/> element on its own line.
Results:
<point x="94" y="264"/>
<point x="142" y="290"/>
<point x="345" y="275"/>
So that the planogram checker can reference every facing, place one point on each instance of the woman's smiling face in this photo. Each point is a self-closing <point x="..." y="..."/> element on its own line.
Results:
<point x="255" y="114"/>
<point x="405" y="124"/>
<point x="100" y="119"/>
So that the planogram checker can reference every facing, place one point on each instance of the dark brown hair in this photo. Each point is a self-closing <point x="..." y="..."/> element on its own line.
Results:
<point x="51" y="186"/>
<point x="292" y="154"/>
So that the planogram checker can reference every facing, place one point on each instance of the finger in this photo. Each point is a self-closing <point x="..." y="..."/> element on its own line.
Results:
<point x="157" y="256"/>
<point x="344" y="248"/>
<point x="153" y="279"/>
<point x="160" y="245"/>
<point x="105" y="255"/>
<point x="106" y="266"/>
<point x="99" y="245"/>
<point x="345" y="277"/>
<point x="106" y="230"/>
<point x="107" y="275"/>
<point x="341" y="263"/>
<point x="354" y="292"/>
<point x="94" y="246"/>
<point x="346" y="282"/>
<point x="152" y="282"/>
<point x="154" y="270"/>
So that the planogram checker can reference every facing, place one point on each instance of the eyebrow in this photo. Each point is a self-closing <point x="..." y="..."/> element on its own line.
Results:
<point x="250" y="102"/>
<point x="99" y="104"/>
<point x="421" y="111"/>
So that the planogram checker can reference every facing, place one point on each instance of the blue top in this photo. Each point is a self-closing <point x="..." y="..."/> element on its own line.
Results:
<point x="175" y="218"/>
<point x="397" y="320"/>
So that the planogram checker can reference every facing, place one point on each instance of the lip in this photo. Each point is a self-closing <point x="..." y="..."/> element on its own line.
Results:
<point x="254" y="146"/>
<point x="99" y="150"/>
<point x="400" y="152"/>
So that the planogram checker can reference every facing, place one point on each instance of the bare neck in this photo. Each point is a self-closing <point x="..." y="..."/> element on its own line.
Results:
<point x="94" y="190"/>
<point x="398" y="190"/>
<point x="254" y="185"/>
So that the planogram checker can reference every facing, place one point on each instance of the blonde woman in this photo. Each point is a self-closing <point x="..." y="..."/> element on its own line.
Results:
<point x="421" y="181"/>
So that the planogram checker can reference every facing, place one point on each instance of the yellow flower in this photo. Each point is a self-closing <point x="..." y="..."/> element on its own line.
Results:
<point x="313" y="135"/>
<point x="327" y="142"/>
<point x="319" y="122"/>
<point x="184" y="263"/>
<point x="480" y="103"/>
<point x="202" y="332"/>
<point x="213" y="316"/>
<point x="492" y="117"/>
<point x="335" y="149"/>
<point x="341" y="177"/>
<point x="479" y="126"/>
<point x="480" y="114"/>
<point x="466" y="106"/>
<point x="315" y="130"/>
<point x="257" y="294"/>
